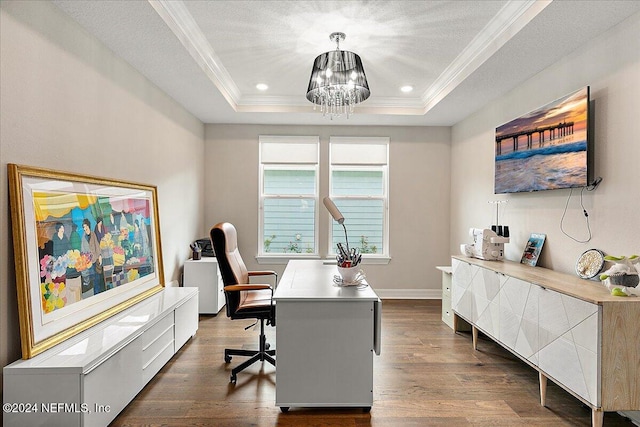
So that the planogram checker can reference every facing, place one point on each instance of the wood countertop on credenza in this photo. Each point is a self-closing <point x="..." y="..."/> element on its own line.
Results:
<point x="588" y="290"/>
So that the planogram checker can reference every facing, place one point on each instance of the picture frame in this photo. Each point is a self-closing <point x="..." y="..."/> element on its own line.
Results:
<point x="85" y="248"/>
<point x="532" y="249"/>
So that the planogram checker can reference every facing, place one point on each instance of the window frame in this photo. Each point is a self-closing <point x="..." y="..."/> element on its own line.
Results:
<point x="269" y="257"/>
<point x="379" y="258"/>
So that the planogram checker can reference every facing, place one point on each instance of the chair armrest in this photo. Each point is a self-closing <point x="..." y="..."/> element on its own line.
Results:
<point x="252" y="287"/>
<point x="262" y="273"/>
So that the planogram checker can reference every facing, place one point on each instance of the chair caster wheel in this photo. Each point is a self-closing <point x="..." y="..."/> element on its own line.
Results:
<point x="227" y="359"/>
<point x="284" y="409"/>
<point x="267" y="346"/>
<point x="233" y="378"/>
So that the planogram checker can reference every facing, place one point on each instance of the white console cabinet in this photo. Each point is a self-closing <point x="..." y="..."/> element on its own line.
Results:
<point x="205" y="275"/>
<point x="88" y="379"/>
<point x="571" y="330"/>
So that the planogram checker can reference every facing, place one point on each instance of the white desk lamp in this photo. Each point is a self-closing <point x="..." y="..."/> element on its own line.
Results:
<point x="337" y="216"/>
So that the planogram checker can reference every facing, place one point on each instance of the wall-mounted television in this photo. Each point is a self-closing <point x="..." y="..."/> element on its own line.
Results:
<point x="545" y="149"/>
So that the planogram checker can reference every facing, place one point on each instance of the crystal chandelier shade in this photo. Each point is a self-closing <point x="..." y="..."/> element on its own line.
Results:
<point x="337" y="81"/>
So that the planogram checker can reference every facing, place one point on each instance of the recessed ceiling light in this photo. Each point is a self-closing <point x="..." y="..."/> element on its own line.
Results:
<point x="406" y="89"/>
<point x="262" y="86"/>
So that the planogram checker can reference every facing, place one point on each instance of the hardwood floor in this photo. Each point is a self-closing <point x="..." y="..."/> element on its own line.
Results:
<point x="425" y="376"/>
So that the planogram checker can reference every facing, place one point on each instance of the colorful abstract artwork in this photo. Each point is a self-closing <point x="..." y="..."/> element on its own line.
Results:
<point x="85" y="249"/>
<point x="84" y="241"/>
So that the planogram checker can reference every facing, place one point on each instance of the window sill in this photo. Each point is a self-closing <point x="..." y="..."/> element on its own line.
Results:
<point x="283" y="259"/>
<point x="370" y="260"/>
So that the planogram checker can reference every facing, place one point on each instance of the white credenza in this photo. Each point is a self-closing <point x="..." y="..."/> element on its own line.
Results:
<point x="571" y="330"/>
<point x="89" y="379"/>
<point x="205" y="275"/>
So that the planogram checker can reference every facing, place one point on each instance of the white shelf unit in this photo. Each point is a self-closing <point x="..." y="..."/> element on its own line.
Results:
<point x="205" y="275"/>
<point x="447" y="312"/>
<point x="90" y="378"/>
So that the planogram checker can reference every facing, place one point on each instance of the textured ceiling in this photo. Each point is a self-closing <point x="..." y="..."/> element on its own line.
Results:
<point x="458" y="55"/>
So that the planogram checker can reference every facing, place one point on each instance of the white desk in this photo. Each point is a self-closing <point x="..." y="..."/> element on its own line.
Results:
<point x="325" y="338"/>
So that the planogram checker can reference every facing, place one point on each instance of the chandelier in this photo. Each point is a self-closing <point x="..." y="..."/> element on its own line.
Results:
<point x="337" y="81"/>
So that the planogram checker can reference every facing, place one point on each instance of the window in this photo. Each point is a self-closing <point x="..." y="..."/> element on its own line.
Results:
<point x="288" y="196"/>
<point x="359" y="188"/>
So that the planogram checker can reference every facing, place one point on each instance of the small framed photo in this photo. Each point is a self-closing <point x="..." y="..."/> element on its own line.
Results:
<point x="532" y="249"/>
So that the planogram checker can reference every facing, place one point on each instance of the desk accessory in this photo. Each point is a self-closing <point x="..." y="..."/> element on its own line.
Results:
<point x="207" y="247"/>
<point x="532" y="249"/>
<point x="590" y="263"/>
<point x="337" y="216"/>
<point x="347" y="259"/>
<point x="196" y="251"/>
<point x="351" y="276"/>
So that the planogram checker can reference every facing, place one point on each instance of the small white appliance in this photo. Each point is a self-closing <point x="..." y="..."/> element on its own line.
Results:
<point x="486" y="244"/>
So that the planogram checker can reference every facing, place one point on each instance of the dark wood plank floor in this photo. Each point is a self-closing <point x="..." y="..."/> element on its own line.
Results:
<point x="426" y="376"/>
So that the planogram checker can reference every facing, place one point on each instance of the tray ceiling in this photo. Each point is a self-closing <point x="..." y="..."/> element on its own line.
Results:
<point x="457" y="55"/>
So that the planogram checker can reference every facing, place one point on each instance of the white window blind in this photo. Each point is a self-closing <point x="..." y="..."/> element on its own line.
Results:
<point x="359" y="151"/>
<point x="288" y="195"/>
<point x="289" y="149"/>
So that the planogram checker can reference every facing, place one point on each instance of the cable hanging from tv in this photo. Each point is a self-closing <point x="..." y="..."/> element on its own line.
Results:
<point x="589" y="187"/>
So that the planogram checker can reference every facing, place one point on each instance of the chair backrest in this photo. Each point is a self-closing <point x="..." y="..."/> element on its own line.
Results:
<point x="224" y="239"/>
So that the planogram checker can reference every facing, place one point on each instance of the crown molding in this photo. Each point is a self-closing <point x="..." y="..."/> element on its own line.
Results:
<point x="513" y="17"/>
<point x="396" y="102"/>
<point x="300" y="101"/>
<point x="176" y="16"/>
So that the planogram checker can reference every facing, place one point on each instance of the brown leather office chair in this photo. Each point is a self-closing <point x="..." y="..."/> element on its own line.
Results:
<point x="244" y="300"/>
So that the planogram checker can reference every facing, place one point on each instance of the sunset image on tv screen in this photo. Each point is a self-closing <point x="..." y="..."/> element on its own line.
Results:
<point x="545" y="149"/>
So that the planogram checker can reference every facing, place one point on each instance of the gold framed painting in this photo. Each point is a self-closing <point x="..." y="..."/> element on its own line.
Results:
<point x="85" y="249"/>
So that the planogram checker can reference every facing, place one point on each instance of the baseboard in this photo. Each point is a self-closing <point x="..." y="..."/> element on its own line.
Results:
<point x="409" y="293"/>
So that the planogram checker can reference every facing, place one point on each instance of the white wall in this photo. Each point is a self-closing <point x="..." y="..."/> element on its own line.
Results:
<point x="68" y="103"/>
<point x="610" y="65"/>
<point x="419" y="197"/>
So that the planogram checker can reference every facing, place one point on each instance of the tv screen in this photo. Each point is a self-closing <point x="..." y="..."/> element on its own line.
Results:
<point x="545" y="149"/>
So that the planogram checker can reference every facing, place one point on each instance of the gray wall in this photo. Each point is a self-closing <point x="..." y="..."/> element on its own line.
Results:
<point x="418" y="189"/>
<point x="610" y="65"/>
<point x="67" y="103"/>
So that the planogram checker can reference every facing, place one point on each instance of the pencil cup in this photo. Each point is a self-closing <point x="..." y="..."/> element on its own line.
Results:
<point x="349" y="274"/>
